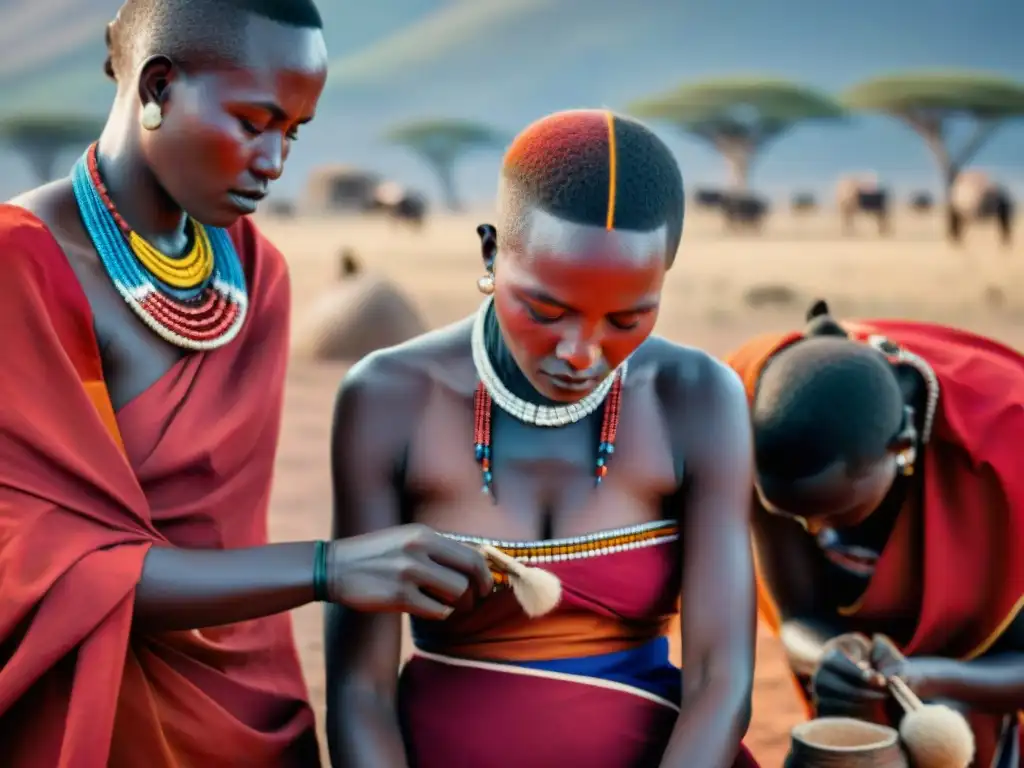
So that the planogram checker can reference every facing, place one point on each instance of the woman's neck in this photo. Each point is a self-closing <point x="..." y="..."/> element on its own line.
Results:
<point x="505" y="366"/>
<point x="137" y="195"/>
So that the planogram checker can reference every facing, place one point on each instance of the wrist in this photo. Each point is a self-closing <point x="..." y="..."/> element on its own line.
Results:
<point x="933" y="677"/>
<point x="321" y="583"/>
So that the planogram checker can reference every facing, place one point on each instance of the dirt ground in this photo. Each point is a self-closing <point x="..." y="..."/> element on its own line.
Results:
<point x="707" y="304"/>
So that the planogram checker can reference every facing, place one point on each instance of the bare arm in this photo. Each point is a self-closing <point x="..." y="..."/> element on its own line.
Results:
<point x="371" y="423"/>
<point x="993" y="683"/>
<point x="718" y="576"/>
<point x="191" y="589"/>
<point x="793" y="570"/>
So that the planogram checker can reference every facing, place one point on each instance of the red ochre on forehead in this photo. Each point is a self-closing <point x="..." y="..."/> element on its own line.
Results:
<point x="564" y="138"/>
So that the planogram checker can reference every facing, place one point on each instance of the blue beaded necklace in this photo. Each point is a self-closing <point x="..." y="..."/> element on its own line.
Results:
<point x="203" y="317"/>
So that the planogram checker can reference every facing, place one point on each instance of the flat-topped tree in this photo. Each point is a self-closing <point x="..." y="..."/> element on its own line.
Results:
<point x="931" y="102"/>
<point x="440" y="143"/>
<point x="738" y="117"/>
<point x="41" y="139"/>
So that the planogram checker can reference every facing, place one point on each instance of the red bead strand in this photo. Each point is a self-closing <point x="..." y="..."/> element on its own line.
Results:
<point x="206" y="318"/>
<point x="482" y="407"/>
<point x="482" y="433"/>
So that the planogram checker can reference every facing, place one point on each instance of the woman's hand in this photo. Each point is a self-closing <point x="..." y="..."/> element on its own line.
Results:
<point x="409" y="569"/>
<point x="845" y="683"/>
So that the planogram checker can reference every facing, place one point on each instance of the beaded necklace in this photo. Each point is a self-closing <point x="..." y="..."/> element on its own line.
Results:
<point x="490" y="391"/>
<point x="197" y="302"/>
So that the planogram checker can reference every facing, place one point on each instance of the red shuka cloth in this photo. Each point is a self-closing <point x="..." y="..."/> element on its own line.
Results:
<point x="954" y="563"/>
<point x="84" y="494"/>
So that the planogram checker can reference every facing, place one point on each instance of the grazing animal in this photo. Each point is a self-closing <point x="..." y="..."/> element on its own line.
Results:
<point x="803" y="202"/>
<point x="708" y="198"/>
<point x="922" y="202"/>
<point x="862" y="194"/>
<point x="974" y="196"/>
<point x="400" y="204"/>
<point x="744" y="211"/>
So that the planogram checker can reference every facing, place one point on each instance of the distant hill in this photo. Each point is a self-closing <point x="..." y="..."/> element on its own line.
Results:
<point x="500" y="61"/>
<point x="53" y="50"/>
<point x="507" y="62"/>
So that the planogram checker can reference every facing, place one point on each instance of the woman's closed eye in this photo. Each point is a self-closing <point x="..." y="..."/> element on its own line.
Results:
<point x="250" y="127"/>
<point x="626" y="321"/>
<point x="543" y="314"/>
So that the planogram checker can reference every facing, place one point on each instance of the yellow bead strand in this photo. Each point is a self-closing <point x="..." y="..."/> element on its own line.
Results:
<point x="187" y="272"/>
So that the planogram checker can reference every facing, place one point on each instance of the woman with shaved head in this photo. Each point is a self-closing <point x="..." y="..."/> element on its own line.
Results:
<point x="553" y="426"/>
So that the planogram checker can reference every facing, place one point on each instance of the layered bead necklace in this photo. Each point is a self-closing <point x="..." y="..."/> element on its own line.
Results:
<point x="197" y="302"/>
<point x="491" y="391"/>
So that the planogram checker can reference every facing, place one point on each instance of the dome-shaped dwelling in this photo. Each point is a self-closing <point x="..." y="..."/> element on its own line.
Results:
<point x="359" y="315"/>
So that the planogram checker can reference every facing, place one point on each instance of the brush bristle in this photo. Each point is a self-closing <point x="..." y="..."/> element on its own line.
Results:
<point x="937" y="737"/>
<point x="538" y="591"/>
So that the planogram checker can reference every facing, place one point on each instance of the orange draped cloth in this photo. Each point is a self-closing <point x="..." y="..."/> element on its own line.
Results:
<point x="953" y="562"/>
<point x="85" y="493"/>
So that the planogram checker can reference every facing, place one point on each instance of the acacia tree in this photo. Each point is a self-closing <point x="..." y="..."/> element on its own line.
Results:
<point x="738" y="117"/>
<point x="440" y="143"/>
<point x="930" y="103"/>
<point x="41" y="139"/>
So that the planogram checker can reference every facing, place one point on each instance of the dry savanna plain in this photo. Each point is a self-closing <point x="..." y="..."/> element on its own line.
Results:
<point x="722" y="289"/>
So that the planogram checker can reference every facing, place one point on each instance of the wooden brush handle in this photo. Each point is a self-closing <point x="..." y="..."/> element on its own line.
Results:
<point x="902" y="693"/>
<point x="503" y="562"/>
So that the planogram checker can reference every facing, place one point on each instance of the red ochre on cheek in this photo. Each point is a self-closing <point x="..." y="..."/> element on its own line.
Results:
<point x="594" y="286"/>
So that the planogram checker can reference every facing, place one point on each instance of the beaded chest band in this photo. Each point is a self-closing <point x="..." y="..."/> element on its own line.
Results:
<point x="579" y="547"/>
<point x="197" y="302"/>
<point x="492" y="391"/>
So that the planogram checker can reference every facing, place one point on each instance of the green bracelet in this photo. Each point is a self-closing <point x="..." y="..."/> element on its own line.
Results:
<point x="320" y="571"/>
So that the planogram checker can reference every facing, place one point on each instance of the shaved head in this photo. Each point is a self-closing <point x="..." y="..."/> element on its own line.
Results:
<point x="821" y="401"/>
<point x="194" y="32"/>
<point x="592" y="168"/>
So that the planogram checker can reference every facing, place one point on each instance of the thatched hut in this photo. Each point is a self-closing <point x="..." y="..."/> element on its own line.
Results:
<point x="340" y="189"/>
<point x="359" y="315"/>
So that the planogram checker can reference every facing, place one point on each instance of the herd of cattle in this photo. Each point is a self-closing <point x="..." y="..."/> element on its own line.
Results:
<point x="974" y="197"/>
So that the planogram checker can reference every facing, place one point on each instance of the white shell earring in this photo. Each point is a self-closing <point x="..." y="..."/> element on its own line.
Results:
<point x="152" y="116"/>
<point x="486" y="284"/>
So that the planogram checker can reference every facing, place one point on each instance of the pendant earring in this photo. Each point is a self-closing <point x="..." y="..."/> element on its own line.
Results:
<point x="152" y="116"/>
<point x="905" y="462"/>
<point x="486" y="284"/>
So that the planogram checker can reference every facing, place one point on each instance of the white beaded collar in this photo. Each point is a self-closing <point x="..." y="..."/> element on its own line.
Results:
<point x="530" y="413"/>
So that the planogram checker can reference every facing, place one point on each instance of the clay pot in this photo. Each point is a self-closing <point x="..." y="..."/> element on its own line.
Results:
<point x="840" y="742"/>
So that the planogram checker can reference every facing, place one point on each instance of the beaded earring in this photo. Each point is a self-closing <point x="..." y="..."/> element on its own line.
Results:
<point x="905" y="462"/>
<point x="152" y="116"/>
<point x="907" y="457"/>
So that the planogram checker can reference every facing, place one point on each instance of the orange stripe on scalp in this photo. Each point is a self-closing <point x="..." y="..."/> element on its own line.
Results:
<point x="612" y="170"/>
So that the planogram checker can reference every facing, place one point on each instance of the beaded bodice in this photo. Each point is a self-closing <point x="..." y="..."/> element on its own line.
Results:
<point x="618" y="586"/>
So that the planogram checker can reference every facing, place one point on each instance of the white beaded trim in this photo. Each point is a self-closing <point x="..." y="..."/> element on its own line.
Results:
<point x="530" y="413"/>
<point x="135" y="297"/>
<point x="576" y="540"/>
<point x="898" y="354"/>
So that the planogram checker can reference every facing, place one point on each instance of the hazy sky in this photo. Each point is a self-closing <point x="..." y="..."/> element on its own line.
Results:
<point x="827" y="44"/>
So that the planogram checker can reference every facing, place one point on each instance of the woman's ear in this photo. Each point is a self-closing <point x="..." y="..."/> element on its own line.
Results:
<point x="488" y="245"/>
<point x="157" y="74"/>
